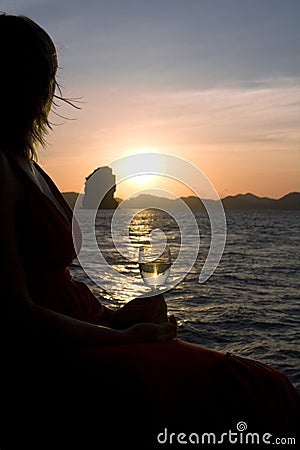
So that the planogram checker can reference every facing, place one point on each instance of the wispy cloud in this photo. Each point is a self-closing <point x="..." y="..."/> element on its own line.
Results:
<point x="268" y="111"/>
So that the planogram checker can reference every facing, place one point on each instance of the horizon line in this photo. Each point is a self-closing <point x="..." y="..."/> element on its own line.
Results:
<point x="195" y="196"/>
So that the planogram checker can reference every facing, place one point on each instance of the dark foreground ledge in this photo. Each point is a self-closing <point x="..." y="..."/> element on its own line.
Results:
<point x="140" y="396"/>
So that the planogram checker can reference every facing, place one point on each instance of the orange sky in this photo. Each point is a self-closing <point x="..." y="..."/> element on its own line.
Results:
<point x="243" y="139"/>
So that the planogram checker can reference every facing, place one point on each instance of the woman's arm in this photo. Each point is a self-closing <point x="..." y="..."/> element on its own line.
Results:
<point x="57" y="328"/>
<point x="21" y="315"/>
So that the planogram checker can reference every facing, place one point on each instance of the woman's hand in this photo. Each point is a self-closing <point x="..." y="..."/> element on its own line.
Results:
<point x="150" y="332"/>
<point x="140" y="310"/>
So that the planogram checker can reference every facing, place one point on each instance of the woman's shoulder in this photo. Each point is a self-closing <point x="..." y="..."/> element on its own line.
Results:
<point x="9" y="181"/>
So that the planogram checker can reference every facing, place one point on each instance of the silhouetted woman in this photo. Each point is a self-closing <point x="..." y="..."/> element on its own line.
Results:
<point x="75" y="373"/>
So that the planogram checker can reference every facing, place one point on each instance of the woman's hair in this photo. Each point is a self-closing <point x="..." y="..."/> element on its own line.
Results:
<point x="28" y="65"/>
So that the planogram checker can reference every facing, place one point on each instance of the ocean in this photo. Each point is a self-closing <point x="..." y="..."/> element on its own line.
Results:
<point x="250" y="306"/>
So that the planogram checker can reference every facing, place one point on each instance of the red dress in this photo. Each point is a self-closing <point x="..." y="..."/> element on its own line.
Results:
<point x="128" y="395"/>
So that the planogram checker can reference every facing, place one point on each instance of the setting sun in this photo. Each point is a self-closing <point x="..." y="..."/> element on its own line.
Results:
<point x="142" y="180"/>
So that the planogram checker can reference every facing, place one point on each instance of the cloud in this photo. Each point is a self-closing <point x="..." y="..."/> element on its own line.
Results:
<point x="267" y="112"/>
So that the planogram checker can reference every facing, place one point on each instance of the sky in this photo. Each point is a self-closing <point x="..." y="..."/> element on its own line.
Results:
<point x="215" y="82"/>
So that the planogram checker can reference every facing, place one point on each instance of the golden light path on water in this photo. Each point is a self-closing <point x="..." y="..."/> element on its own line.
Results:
<point x="141" y="226"/>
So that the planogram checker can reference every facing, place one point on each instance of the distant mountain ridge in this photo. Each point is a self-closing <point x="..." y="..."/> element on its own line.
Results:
<point x="290" y="201"/>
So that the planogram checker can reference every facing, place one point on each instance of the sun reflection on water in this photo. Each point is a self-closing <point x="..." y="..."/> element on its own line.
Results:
<point x="142" y="224"/>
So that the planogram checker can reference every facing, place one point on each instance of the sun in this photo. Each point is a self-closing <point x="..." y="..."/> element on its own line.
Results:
<point x="143" y="179"/>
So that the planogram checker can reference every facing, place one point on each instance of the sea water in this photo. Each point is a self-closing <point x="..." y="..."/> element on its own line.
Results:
<point x="250" y="306"/>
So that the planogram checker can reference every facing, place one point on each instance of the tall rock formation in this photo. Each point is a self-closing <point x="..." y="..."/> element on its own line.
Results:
<point x="100" y="184"/>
